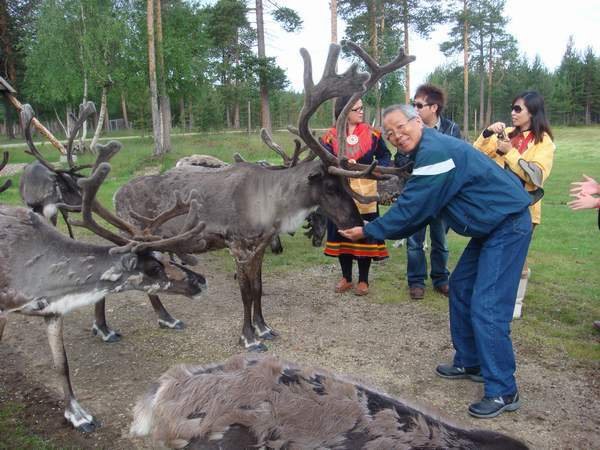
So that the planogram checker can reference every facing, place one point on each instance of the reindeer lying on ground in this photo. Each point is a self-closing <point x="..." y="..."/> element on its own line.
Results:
<point x="249" y="402"/>
<point x="245" y="205"/>
<point x="49" y="190"/>
<point x="44" y="273"/>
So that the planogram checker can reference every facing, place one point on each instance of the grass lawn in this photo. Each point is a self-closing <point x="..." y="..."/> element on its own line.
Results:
<point x="563" y="296"/>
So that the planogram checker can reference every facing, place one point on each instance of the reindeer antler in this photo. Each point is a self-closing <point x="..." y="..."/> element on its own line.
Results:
<point x="7" y="183"/>
<point x="350" y="83"/>
<point x="140" y="239"/>
<point x="287" y="161"/>
<point x="376" y="73"/>
<point x="27" y="116"/>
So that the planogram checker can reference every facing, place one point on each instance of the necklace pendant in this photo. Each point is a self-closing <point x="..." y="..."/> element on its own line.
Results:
<point x="352" y="139"/>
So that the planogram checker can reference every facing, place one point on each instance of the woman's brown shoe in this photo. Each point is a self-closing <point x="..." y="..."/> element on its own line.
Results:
<point x="343" y="286"/>
<point x="361" y="288"/>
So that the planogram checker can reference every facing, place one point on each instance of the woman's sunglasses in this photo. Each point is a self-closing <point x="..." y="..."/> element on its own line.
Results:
<point x="359" y="109"/>
<point x="517" y="108"/>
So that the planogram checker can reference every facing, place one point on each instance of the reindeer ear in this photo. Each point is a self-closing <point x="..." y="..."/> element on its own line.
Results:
<point x="129" y="261"/>
<point x="316" y="174"/>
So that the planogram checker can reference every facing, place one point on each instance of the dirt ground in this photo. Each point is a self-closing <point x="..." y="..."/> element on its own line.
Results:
<point x="392" y="347"/>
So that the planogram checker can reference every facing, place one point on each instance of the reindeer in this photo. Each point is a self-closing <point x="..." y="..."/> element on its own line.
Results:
<point x="245" y="205"/>
<point x="44" y="273"/>
<point x="252" y="402"/>
<point x="316" y="222"/>
<point x="49" y="190"/>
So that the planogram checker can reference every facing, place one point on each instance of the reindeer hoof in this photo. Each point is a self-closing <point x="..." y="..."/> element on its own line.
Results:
<point x="176" y="324"/>
<point x="88" y="427"/>
<point x="257" y="348"/>
<point x="269" y="335"/>
<point x="108" y="336"/>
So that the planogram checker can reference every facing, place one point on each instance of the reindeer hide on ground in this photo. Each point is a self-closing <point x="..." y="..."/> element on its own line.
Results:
<point x="254" y="402"/>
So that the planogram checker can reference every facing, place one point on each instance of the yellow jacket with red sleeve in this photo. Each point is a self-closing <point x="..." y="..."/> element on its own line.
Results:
<point x="533" y="166"/>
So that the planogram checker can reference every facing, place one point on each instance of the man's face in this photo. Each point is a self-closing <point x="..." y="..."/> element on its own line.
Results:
<point x="403" y="133"/>
<point x="427" y="111"/>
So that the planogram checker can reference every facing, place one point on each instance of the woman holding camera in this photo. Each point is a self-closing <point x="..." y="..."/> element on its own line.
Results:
<point x="526" y="149"/>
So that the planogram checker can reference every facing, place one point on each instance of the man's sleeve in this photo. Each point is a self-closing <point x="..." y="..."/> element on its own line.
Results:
<point x="420" y="201"/>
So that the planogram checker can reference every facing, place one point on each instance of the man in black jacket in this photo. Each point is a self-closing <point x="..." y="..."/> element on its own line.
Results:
<point x="429" y="103"/>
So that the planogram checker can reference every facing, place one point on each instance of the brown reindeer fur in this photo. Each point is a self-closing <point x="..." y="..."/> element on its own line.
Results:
<point x="254" y="402"/>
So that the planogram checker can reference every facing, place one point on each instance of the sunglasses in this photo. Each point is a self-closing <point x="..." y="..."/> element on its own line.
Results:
<point x="517" y="108"/>
<point x="420" y="105"/>
<point x="359" y="109"/>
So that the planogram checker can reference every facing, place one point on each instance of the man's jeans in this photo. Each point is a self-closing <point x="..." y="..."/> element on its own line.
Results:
<point x="416" y="264"/>
<point x="483" y="287"/>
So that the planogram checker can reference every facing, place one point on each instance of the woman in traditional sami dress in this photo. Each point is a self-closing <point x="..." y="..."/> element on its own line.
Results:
<point x="527" y="150"/>
<point x="363" y="144"/>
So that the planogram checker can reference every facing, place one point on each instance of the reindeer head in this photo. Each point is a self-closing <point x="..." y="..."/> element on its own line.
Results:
<point x="141" y="257"/>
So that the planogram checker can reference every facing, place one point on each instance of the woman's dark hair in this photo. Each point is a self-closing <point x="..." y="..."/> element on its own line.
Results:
<point x="539" y="124"/>
<point x="340" y="102"/>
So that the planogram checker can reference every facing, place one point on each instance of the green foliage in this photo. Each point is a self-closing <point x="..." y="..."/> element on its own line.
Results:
<point x="287" y="18"/>
<point x="14" y="435"/>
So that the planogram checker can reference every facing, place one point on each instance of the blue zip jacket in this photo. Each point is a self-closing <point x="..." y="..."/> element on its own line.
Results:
<point x="453" y="180"/>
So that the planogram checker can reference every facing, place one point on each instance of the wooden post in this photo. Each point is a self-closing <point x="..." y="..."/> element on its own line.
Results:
<point x="37" y="124"/>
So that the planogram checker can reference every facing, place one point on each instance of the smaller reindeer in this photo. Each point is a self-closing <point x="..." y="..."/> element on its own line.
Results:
<point x="43" y="273"/>
<point x="253" y="402"/>
<point x="48" y="190"/>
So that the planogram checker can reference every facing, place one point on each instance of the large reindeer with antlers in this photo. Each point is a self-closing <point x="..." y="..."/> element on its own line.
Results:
<point x="49" y="190"/>
<point x="245" y="205"/>
<point x="44" y="273"/>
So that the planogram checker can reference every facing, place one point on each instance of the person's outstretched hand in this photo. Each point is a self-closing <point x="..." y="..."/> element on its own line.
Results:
<point x="587" y="187"/>
<point x="584" y="202"/>
<point x="354" y="234"/>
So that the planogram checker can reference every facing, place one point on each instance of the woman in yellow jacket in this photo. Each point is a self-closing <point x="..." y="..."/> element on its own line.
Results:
<point x="527" y="150"/>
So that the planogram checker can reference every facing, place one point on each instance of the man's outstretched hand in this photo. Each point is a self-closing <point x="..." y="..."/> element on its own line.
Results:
<point x="354" y="234"/>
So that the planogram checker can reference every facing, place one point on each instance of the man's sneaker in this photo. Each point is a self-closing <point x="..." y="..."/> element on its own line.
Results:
<point x="494" y="406"/>
<point x="459" y="373"/>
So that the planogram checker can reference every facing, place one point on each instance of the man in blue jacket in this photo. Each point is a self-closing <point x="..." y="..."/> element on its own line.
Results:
<point x="478" y="199"/>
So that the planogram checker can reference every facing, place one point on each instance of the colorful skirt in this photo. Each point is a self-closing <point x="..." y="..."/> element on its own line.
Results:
<point x="337" y="245"/>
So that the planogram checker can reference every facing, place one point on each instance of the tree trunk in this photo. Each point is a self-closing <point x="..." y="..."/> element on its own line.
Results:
<point x="236" y="115"/>
<point x="190" y="116"/>
<point x="264" y="90"/>
<point x="156" y="120"/>
<point x="334" y="40"/>
<point x="85" y="79"/>
<point x="182" y="114"/>
<point x="406" y="52"/>
<point x="101" y="118"/>
<point x="466" y="71"/>
<point x="481" y="82"/>
<point x="124" y="110"/>
<point x="372" y="12"/>
<point x="7" y="60"/>
<point x="106" y="120"/>
<point x="488" y="113"/>
<point x="249" y="117"/>
<point x="164" y="100"/>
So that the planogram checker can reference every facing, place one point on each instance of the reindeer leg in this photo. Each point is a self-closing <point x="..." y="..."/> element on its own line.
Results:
<point x="74" y="413"/>
<point x="276" y="247"/>
<point x="2" y="324"/>
<point x="100" y="328"/>
<point x="65" y="216"/>
<point x="165" y="320"/>
<point x="247" y="277"/>
<point x="261" y="328"/>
